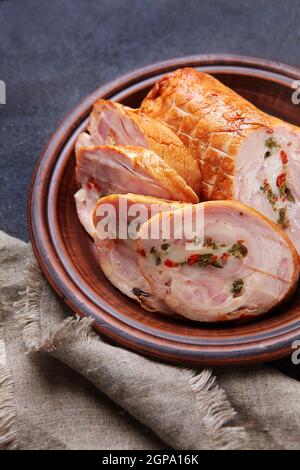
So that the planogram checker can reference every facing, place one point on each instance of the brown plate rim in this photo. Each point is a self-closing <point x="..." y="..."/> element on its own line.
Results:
<point x="112" y="323"/>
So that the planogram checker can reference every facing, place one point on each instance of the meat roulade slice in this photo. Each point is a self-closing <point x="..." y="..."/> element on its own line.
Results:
<point x="104" y="169"/>
<point x="242" y="267"/>
<point x="244" y="153"/>
<point x="117" y="219"/>
<point x="114" y="124"/>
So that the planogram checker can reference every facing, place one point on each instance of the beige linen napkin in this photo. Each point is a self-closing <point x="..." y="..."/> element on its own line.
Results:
<point x="62" y="386"/>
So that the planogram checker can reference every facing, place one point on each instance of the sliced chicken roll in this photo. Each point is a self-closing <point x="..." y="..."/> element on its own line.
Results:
<point x="244" y="153"/>
<point x="241" y="265"/>
<point x="103" y="170"/>
<point x="114" y="124"/>
<point x="117" y="219"/>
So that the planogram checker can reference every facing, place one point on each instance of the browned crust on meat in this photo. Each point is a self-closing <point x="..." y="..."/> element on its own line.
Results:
<point x="210" y="119"/>
<point x="160" y="139"/>
<point x="163" y="141"/>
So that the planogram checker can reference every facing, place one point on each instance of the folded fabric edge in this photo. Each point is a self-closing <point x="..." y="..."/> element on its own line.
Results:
<point x="28" y="307"/>
<point x="215" y="411"/>
<point x="70" y="330"/>
<point x="8" y="415"/>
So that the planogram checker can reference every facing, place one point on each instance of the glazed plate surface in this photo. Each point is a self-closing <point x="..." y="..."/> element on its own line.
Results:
<point x="66" y="255"/>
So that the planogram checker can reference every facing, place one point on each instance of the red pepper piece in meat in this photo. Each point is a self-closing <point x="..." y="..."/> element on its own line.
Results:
<point x="281" y="179"/>
<point x="171" y="264"/>
<point x="193" y="259"/>
<point x="284" y="157"/>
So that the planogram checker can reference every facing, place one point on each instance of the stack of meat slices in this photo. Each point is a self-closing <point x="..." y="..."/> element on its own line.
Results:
<point x="192" y="138"/>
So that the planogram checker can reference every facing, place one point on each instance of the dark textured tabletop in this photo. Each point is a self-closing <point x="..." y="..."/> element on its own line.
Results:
<point x="53" y="53"/>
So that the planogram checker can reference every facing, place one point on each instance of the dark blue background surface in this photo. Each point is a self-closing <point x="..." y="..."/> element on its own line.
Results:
<point x="53" y="53"/>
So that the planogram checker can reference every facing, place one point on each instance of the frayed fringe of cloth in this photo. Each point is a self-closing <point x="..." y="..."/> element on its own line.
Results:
<point x="214" y="409"/>
<point x="28" y="310"/>
<point x="71" y="330"/>
<point x="8" y="416"/>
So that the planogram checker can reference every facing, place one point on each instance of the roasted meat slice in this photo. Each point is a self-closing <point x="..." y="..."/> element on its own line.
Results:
<point x="242" y="265"/>
<point x="244" y="153"/>
<point x="114" y="124"/>
<point x="103" y="170"/>
<point x="117" y="219"/>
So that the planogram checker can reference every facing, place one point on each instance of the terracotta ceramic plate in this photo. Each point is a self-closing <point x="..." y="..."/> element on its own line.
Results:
<point x="65" y="252"/>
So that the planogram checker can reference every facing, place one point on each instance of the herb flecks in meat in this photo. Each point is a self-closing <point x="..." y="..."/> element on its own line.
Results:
<point x="284" y="190"/>
<point x="209" y="243"/>
<point x="282" y="218"/>
<point x="165" y="246"/>
<point x="156" y="255"/>
<point x="271" y="144"/>
<point x="267" y="190"/>
<point x="238" y="250"/>
<point x="278" y="198"/>
<point x="140" y="292"/>
<point x="237" y="286"/>
<point x="217" y="256"/>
